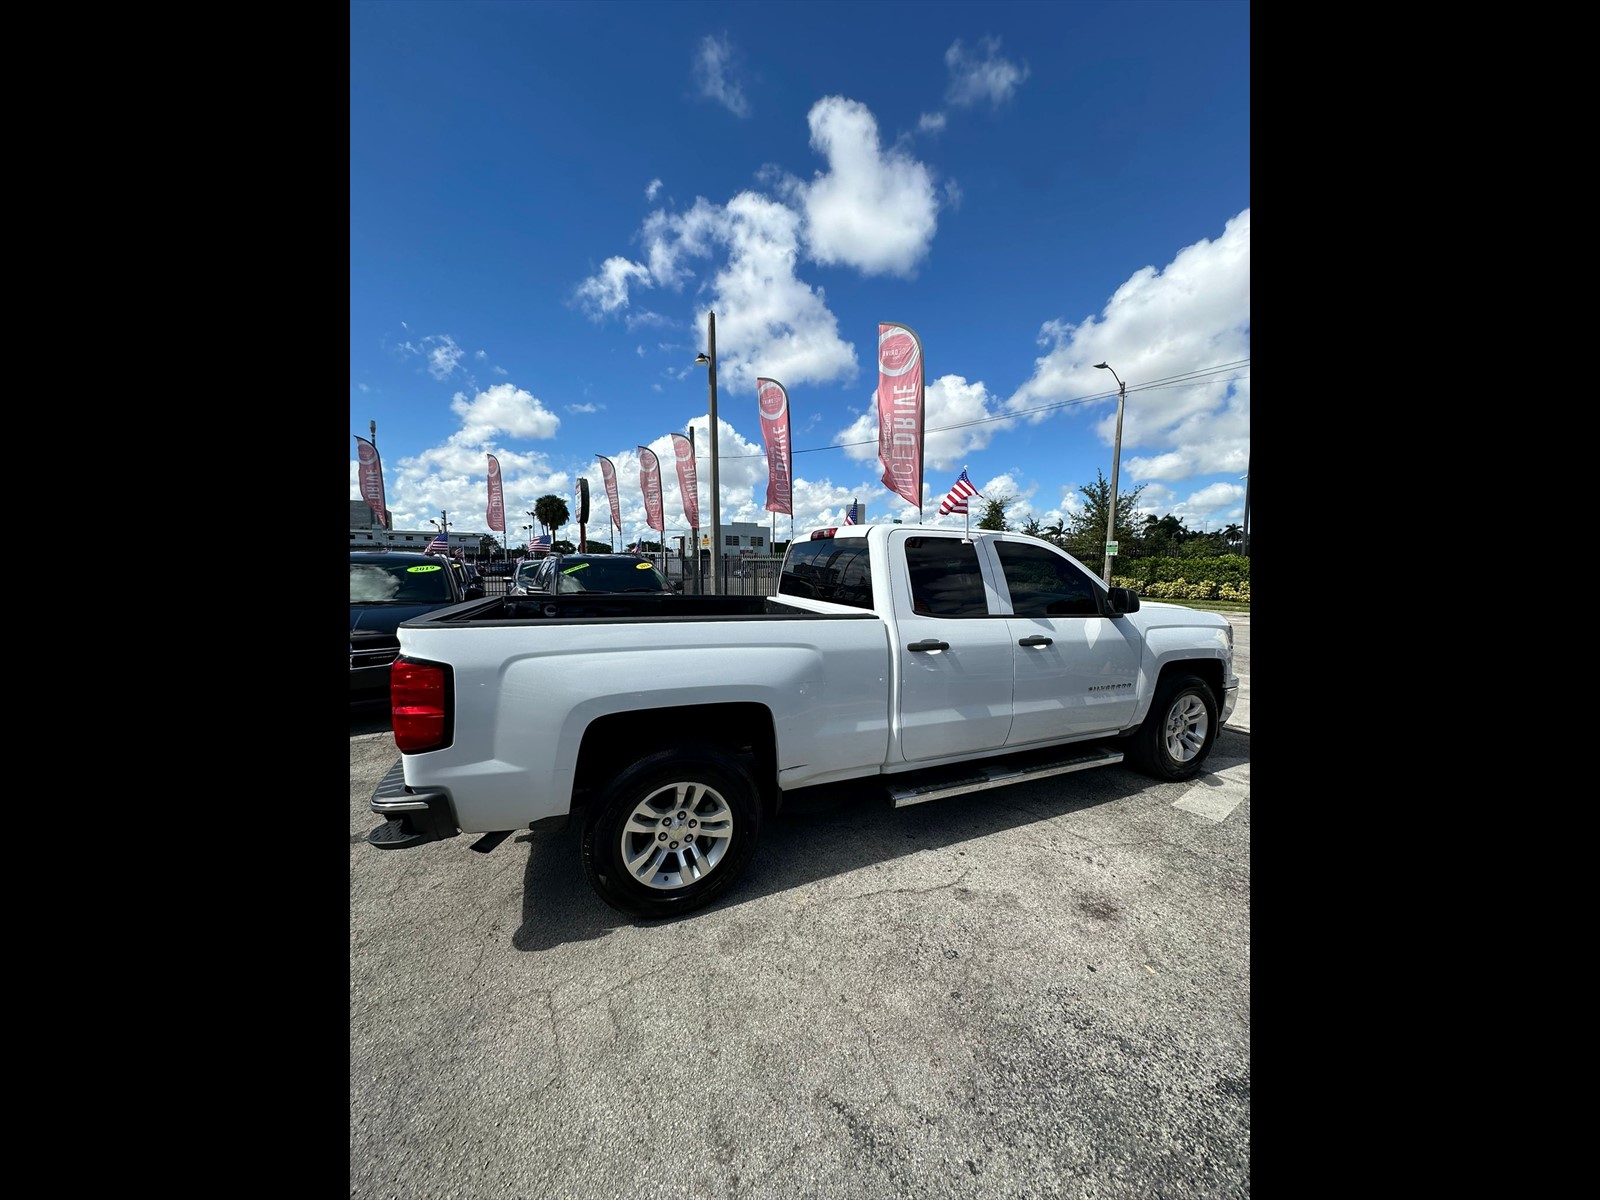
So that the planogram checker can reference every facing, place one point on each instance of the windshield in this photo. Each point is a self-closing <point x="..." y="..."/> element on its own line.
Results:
<point x="400" y="582"/>
<point x="609" y="575"/>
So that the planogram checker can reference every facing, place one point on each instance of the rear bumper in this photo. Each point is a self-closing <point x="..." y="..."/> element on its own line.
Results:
<point x="411" y="818"/>
<point x="370" y="681"/>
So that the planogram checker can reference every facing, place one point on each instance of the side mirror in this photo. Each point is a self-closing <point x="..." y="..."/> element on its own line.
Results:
<point x="1123" y="600"/>
<point x="475" y="593"/>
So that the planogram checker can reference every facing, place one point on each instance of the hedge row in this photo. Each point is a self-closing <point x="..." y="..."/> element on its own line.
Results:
<point x="1222" y="577"/>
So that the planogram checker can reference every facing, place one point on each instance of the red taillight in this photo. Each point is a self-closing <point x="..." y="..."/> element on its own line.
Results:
<point x="818" y="534"/>
<point x="419" y="705"/>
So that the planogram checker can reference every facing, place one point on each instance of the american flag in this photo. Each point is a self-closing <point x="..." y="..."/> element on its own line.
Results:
<point x="439" y="545"/>
<point x="850" y="514"/>
<point x="542" y="542"/>
<point x="956" y="501"/>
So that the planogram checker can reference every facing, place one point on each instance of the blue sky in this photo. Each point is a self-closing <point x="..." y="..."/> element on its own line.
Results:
<point x="546" y="200"/>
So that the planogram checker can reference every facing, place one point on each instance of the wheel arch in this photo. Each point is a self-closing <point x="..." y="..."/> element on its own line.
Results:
<point x="743" y="729"/>
<point x="1208" y="670"/>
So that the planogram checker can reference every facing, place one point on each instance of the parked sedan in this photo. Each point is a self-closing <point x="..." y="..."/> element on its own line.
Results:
<point x="565" y="574"/>
<point x="386" y="588"/>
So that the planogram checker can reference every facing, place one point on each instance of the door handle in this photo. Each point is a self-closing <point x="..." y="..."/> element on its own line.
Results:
<point x="928" y="644"/>
<point x="1035" y="640"/>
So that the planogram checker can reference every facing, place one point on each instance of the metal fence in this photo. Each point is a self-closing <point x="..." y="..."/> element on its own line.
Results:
<point x="742" y="575"/>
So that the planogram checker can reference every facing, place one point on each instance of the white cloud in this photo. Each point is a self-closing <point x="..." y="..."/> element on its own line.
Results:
<point x="874" y="210"/>
<point x="931" y="123"/>
<point x="583" y="408"/>
<point x="671" y="237"/>
<point x="652" y="189"/>
<point x="1153" y="330"/>
<point x="712" y="63"/>
<point x="777" y="325"/>
<point x="501" y="409"/>
<point x="974" y="79"/>
<point x="607" y="290"/>
<point x="440" y="353"/>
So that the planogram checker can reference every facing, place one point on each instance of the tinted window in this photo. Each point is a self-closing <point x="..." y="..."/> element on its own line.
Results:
<point x="622" y="574"/>
<point x="402" y="582"/>
<point x="1044" y="584"/>
<point x="946" y="580"/>
<point x="828" y="570"/>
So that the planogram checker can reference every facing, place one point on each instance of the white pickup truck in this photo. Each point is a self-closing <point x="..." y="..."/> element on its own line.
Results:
<point x="671" y="726"/>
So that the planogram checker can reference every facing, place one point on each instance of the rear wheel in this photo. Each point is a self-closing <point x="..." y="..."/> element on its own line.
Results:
<point x="1178" y="733"/>
<point x="671" y="831"/>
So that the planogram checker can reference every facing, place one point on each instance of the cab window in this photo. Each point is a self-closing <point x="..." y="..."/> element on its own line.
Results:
<point x="824" y="569"/>
<point x="946" y="580"/>
<point x="1044" y="584"/>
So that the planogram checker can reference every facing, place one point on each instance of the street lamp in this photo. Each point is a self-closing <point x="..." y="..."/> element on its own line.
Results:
<point x="704" y="360"/>
<point x="1116" y="462"/>
<point x="444" y="528"/>
<point x="1246" y="478"/>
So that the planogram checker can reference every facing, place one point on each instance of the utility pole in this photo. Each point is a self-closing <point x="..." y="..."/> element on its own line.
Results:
<point x="716" y="498"/>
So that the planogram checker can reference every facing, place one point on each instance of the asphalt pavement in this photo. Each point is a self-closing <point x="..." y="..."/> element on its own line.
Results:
<point x="1041" y="990"/>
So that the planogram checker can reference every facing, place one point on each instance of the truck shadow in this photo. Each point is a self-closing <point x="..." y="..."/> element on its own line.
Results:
<point x="824" y="832"/>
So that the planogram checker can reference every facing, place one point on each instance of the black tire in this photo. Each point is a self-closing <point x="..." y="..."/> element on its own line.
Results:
<point x="698" y="796"/>
<point x="1179" y="730"/>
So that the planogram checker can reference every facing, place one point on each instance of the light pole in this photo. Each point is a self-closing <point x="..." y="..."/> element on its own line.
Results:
<point x="1247" y="507"/>
<point x="694" y="533"/>
<point x="444" y="528"/>
<point x="1116" y="462"/>
<point x="716" y="497"/>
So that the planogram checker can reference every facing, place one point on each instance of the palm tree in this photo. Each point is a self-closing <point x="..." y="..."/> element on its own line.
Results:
<point x="1233" y="535"/>
<point x="551" y="512"/>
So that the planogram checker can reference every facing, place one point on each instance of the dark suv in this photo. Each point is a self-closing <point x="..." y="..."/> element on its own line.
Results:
<point x="386" y="588"/>
<point x="567" y="574"/>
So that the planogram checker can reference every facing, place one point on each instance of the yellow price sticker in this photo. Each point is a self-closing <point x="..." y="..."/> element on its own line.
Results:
<point x="643" y="567"/>
<point x="424" y="567"/>
<point x="579" y="567"/>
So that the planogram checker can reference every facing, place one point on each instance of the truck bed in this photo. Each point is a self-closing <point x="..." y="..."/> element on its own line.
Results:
<point x="620" y="606"/>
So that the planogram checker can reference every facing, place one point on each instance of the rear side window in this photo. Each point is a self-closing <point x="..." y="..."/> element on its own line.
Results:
<point x="828" y="570"/>
<point x="946" y="580"/>
<point x="1043" y="584"/>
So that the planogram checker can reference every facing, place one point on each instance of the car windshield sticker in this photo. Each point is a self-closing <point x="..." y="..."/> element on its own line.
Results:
<point x="579" y="567"/>
<point x="424" y="567"/>
<point x="644" y="567"/>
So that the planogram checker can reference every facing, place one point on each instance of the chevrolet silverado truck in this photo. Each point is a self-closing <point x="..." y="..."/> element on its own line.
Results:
<point x="670" y="728"/>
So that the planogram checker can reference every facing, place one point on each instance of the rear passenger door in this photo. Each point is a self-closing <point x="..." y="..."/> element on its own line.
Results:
<point x="953" y="648"/>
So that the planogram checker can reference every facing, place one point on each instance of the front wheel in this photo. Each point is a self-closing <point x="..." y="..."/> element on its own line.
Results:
<point x="1179" y="730"/>
<point x="671" y="831"/>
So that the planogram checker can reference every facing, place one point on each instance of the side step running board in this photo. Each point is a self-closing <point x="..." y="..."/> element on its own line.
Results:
<point x="976" y="777"/>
